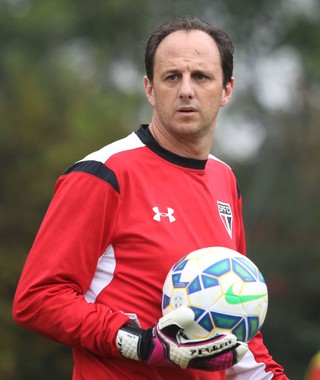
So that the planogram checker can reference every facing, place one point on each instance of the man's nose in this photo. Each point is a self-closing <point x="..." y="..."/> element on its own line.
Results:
<point x="186" y="88"/>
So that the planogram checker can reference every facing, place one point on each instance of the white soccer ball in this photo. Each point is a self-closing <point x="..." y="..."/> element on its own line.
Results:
<point x="224" y="288"/>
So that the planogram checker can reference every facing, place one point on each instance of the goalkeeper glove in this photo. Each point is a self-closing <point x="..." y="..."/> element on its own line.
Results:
<point x="164" y="344"/>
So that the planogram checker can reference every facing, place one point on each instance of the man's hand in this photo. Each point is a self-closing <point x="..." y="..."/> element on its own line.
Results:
<point x="161" y="345"/>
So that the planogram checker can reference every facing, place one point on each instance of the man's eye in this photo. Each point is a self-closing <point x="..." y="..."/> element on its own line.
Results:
<point x="200" y="76"/>
<point x="172" y="77"/>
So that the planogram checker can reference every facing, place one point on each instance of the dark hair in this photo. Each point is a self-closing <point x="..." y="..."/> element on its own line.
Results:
<point x="220" y="37"/>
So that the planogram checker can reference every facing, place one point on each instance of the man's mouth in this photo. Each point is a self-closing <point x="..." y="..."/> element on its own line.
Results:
<point x="186" y="109"/>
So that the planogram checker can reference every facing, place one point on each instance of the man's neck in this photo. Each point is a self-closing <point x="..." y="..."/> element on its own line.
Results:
<point x="185" y="146"/>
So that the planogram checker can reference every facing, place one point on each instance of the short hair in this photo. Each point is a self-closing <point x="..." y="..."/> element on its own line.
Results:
<point x="221" y="38"/>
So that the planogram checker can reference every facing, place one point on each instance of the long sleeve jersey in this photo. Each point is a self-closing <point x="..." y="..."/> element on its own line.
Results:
<point x="119" y="219"/>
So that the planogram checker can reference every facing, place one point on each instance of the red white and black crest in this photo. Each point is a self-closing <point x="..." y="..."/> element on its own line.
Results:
<point x="225" y="213"/>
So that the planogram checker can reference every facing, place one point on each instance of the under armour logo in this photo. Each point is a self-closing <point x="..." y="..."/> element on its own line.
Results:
<point x="158" y="214"/>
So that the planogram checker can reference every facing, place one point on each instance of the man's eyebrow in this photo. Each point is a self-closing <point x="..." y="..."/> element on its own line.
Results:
<point x="201" y="71"/>
<point x="170" y="72"/>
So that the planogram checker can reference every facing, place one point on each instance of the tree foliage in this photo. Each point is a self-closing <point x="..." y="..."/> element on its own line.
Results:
<point x="71" y="81"/>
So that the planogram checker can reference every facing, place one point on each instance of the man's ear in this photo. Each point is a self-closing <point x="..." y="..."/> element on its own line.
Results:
<point x="227" y="93"/>
<point x="148" y="88"/>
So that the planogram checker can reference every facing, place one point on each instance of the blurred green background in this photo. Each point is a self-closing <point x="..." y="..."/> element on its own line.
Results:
<point x="71" y="82"/>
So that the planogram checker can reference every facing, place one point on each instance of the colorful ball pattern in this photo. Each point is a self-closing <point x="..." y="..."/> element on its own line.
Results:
<point x="224" y="288"/>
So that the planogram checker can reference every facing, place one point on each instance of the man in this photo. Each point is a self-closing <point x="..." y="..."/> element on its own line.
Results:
<point x="122" y="216"/>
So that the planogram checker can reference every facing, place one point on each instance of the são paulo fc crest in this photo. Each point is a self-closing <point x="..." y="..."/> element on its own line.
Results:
<point x="225" y="213"/>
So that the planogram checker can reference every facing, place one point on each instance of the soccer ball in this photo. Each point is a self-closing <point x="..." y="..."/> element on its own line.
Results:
<point x="225" y="289"/>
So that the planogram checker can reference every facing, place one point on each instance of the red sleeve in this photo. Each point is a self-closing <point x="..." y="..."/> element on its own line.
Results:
<point x="259" y="354"/>
<point x="76" y="230"/>
<point x="241" y="240"/>
<point x="262" y="355"/>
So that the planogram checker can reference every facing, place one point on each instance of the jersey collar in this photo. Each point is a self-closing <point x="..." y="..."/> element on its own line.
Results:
<point x="147" y="138"/>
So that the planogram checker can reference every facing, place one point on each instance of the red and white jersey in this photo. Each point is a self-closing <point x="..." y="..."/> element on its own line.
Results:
<point x="119" y="219"/>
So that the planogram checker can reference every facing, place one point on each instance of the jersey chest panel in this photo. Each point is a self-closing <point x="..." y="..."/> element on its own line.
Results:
<point x="165" y="212"/>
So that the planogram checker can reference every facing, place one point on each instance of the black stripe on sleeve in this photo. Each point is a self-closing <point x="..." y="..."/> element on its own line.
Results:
<point x="238" y="190"/>
<point x="97" y="169"/>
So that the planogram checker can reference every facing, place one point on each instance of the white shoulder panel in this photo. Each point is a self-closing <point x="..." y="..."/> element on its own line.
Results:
<point x="212" y="157"/>
<point x="130" y="142"/>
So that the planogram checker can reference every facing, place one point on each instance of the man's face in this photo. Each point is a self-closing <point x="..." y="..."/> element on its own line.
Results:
<point x="187" y="89"/>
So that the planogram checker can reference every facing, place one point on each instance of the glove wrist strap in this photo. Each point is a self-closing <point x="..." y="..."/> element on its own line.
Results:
<point x="134" y="342"/>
